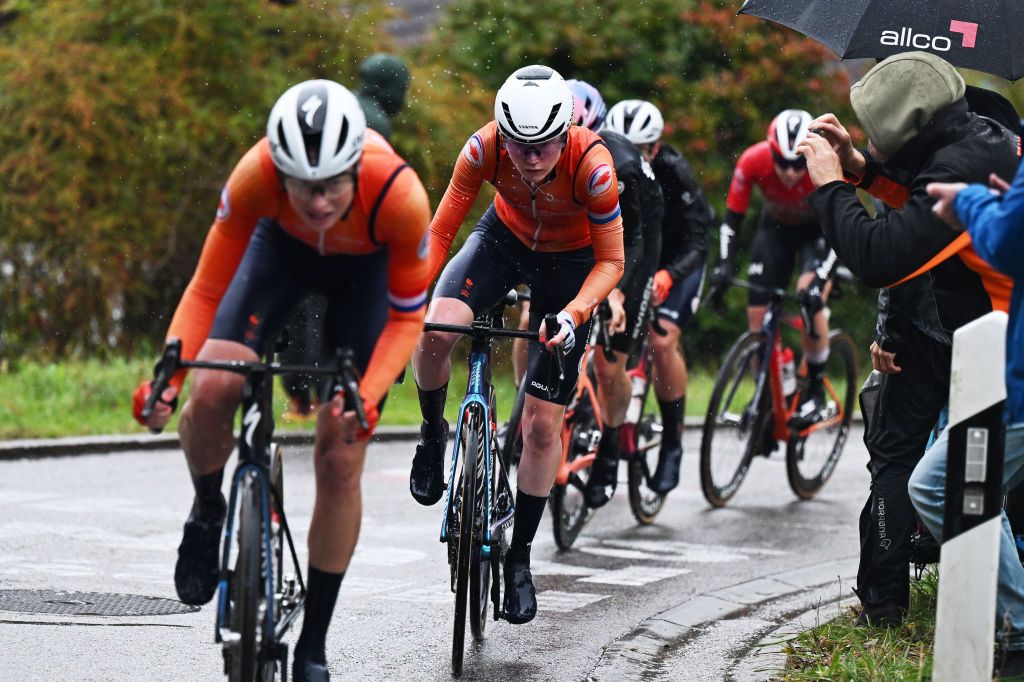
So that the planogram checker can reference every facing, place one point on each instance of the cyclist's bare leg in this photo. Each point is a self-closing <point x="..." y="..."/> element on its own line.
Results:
<point x="542" y="446"/>
<point x="521" y="347"/>
<point x="542" y="451"/>
<point x="431" y="361"/>
<point x="337" y="507"/>
<point x="613" y="387"/>
<point x="670" y="379"/>
<point x="670" y="375"/>
<point x="208" y="417"/>
<point x="755" y="317"/>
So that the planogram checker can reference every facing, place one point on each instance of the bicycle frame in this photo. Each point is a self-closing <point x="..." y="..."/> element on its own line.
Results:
<point x="771" y="327"/>
<point x="478" y="393"/>
<point x="585" y="390"/>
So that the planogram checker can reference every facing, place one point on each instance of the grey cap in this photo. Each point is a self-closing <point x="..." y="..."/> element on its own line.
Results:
<point x="896" y="99"/>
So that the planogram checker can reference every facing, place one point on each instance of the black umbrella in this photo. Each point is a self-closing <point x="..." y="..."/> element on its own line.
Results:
<point x="987" y="35"/>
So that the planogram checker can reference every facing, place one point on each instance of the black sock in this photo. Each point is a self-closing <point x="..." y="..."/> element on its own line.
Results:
<point x="815" y="373"/>
<point x="529" y="510"/>
<point x="321" y="594"/>
<point x="608" y="449"/>
<point x="672" y="413"/>
<point x="209" y="503"/>
<point x="432" y="406"/>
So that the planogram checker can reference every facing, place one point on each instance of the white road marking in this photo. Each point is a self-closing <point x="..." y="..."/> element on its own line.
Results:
<point x="369" y="555"/>
<point x="554" y="601"/>
<point x="358" y="585"/>
<point x="635" y="575"/>
<point x="426" y="594"/>
<point x="555" y="568"/>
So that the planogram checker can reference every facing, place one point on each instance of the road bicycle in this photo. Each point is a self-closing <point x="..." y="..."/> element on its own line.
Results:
<point x="256" y="601"/>
<point x="480" y="505"/>
<point x="757" y="390"/>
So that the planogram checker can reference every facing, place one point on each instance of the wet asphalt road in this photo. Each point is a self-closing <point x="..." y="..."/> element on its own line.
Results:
<point x="111" y="523"/>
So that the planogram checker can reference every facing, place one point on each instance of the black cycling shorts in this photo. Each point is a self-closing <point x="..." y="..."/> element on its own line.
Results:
<point x="683" y="299"/>
<point x="777" y="248"/>
<point x="278" y="271"/>
<point x="637" y="301"/>
<point x="492" y="261"/>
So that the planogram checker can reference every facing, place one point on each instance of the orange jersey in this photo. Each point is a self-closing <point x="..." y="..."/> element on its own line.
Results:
<point x="578" y="205"/>
<point x="390" y="211"/>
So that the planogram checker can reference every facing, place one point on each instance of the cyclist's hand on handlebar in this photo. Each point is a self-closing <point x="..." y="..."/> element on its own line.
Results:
<point x="721" y="280"/>
<point x="811" y="299"/>
<point x="662" y="285"/>
<point x="617" y="319"/>
<point x="163" y="409"/>
<point x="351" y="431"/>
<point x="566" y="336"/>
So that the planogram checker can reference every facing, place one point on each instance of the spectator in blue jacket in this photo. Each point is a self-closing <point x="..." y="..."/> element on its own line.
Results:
<point x="994" y="217"/>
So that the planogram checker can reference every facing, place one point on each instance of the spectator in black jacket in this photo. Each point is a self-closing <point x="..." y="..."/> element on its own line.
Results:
<point x="920" y="130"/>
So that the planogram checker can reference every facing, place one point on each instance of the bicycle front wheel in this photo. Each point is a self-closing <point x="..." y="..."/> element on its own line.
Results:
<point x="734" y="426"/>
<point x="246" y="584"/>
<point x="644" y="502"/>
<point x="463" y="554"/>
<point x="480" y="569"/>
<point x="811" y="456"/>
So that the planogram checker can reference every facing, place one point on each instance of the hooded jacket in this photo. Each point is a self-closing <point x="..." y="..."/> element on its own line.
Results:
<point x="956" y="146"/>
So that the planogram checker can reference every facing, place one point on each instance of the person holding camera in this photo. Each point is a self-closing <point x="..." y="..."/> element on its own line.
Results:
<point x="920" y="130"/>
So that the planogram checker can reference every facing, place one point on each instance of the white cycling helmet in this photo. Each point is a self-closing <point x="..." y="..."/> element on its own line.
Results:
<point x="534" y="105"/>
<point x="787" y="130"/>
<point x="637" y="120"/>
<point x="316" y="130"/>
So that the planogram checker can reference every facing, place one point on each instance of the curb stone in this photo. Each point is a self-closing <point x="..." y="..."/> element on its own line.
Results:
<point x="646" y="651"/>
<point x="99" y="445"/>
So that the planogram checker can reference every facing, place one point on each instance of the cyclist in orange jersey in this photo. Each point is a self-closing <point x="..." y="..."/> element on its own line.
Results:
<point x="555" y="225"/>
<point x="320" y="205"/>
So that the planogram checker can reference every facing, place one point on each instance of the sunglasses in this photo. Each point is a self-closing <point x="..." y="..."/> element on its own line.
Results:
<point x="542" y="149"/>
<point x="332" y="188"/>
<point x="798" y="163"/>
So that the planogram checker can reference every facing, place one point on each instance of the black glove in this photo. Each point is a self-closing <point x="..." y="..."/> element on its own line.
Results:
<point x="719" y="283"/>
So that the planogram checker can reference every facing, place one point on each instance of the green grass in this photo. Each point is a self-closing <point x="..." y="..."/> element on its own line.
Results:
<point x="90" y="397"/>
<point x="840" y="650"/>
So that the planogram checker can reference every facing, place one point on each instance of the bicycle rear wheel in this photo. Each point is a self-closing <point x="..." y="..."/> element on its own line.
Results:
<point x="463" y="554"/>
<point x="512" y="445"/>
<point x="246" y="584"/>
<point x="811" y="458"/>
<point x="734" y="426"/>
<point x="644" y="502"/>
<point x="569" y="510"/>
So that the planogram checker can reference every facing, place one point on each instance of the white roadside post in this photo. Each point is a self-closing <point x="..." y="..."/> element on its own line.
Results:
<point x="969" y="563"/>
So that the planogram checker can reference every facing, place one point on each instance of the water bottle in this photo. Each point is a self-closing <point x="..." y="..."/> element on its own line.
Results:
<point x="788" y="372"/>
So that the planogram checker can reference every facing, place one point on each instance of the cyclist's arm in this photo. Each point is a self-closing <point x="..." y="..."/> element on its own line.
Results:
<point x="605" y="217"/>
<point x="248" y="195"/>
<point x="737" y="202"/>
<point x="477" y="154"/>
<point x="404" y="217"/>
<point x="883" y="250"/>
<point x="695" y="218"/>
<point x="632" y="232"/>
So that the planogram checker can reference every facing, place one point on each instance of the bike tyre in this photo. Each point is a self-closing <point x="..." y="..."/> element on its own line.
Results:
<point x="643" y="502"/>
<point x="567" y="520"/>
<point x="841" y="348"/>
<point x="480" y="569"/>
<point x="247" y="582"/>
<point x="718" y="495"/>
<point x="464" y="553"/>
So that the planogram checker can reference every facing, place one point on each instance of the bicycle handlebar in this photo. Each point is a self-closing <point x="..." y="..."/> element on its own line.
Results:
<point x="345" y="374"/>
<point x="783" y="295"/>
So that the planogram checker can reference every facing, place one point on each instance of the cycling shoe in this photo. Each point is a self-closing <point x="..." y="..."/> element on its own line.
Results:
<point x="811" y="411"/>
<point x="520" y="596"/>
<point x="426" y="480"/>
<point x="604" y="476"/>
<point x="307" y="670"/>
<point x="195" y="573"/>
<point x="666" y="476"/>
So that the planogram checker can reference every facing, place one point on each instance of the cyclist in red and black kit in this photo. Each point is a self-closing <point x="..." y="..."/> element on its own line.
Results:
<point x="788" y="233"/>
<point x="678" y="272"/>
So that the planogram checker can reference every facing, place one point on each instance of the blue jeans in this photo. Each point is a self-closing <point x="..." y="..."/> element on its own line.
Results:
<point x="928" y="493"/>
